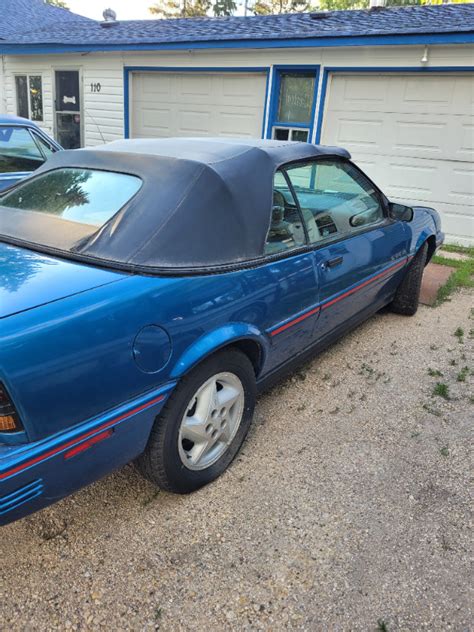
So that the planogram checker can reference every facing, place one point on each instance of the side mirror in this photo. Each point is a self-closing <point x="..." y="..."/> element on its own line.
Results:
<point x="400" y="212"/>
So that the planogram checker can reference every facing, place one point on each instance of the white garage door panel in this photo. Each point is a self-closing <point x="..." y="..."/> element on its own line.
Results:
<point x="412" y="94"/>
<point x="457" y="225"/>
<point x="394" y="134"/>
<point x="197" y="104"/>
<point x="414" y="135"/>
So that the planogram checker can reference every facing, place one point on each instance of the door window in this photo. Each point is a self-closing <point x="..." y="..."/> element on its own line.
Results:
<point x="67" y="91"/>
<point x="18" y="150"/>
<point x="336" y="199"/>
<point x="286" y="227"/>
<point x="44" y="146"/>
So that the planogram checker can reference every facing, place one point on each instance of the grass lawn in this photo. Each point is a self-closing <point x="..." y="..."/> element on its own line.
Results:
<point x="464" y="270"/>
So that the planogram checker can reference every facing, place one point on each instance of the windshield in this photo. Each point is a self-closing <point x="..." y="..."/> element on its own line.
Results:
<point x="79" y="195"/>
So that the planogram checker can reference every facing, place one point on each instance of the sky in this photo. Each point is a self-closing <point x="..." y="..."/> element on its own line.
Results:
<point x="125" y="9"/>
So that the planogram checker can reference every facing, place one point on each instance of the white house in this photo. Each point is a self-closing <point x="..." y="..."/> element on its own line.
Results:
<point x="394" y="86"/>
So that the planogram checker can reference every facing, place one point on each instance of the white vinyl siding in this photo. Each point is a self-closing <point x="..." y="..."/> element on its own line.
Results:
<point x="414" y="135"/>
<point x="102" y="112"/>
<point x="197" y="104"/>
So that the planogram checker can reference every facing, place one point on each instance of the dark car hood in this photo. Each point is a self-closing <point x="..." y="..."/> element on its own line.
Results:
<point x="29" y="279"/>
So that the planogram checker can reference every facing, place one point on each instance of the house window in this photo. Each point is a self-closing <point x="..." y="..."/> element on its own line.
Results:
<point x="296" y="98"/>
<point x="29" y="96"/>
<point x="294" y="108"/>
<point x="290" y="133"/>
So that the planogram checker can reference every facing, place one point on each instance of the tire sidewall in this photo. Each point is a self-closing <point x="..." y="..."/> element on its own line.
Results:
<point x="181" y="477"/>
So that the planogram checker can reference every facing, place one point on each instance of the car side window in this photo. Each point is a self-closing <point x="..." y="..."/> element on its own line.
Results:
<point x="44" y="146"/>
<point x="336" y="199"/>
<point x="286" y="229"/>
<point x="18" y="150"/>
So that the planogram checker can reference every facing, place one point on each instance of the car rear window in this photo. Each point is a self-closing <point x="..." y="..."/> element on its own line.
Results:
<point x="86" y="196"/>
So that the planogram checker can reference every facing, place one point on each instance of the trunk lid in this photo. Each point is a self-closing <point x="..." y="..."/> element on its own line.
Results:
<point x="29" y="279"/>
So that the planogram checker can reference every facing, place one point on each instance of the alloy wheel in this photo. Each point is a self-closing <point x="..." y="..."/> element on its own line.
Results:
<point x="211" y="421"/>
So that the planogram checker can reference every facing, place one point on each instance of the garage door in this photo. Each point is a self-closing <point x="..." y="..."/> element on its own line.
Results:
<point x="197" y="104"/>
<point x="414" y="135"/>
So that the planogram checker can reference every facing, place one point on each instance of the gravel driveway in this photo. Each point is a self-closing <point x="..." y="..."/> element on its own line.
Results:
<point x="348" y="509"/>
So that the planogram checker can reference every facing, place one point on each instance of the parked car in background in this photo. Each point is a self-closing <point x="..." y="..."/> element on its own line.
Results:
<point x="23" y="148"/>
<point x="148" y="288"/>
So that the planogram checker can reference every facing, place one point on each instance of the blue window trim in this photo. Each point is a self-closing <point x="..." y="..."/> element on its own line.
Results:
<point x="329" y="70"/>
<point x="278" y="69"/>
<point x="127" y="70"/>
<point x="325" y="42"/>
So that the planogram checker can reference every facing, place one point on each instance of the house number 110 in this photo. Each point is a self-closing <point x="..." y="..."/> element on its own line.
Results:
<point x="95" y="87"/>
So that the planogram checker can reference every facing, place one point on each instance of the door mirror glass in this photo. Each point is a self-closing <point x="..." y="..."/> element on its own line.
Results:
<point x="400" y="212"/>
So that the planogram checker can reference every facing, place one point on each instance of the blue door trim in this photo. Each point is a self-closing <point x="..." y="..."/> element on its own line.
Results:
<point x="275" y="92"/>
<point x="129" y="69"/>
<point x="382" y="70"/>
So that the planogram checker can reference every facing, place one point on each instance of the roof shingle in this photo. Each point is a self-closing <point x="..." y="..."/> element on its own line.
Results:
<point x="22" y="16"/>
<point x="382" y="21"/>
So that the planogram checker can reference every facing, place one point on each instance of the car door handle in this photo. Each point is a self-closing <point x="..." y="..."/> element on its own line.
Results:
<point x="332" y="263"/>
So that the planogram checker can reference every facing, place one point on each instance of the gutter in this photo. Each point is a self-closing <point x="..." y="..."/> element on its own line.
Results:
<point x="314" y="42"/>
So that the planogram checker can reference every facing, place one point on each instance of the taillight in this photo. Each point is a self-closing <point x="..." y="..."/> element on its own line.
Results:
<point x="9" y="419"/>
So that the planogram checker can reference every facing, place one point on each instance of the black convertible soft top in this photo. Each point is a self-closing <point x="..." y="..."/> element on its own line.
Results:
<point x="204" y="203"/>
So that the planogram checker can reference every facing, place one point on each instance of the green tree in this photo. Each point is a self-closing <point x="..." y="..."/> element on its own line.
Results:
<point x="200" y="8"/>
<point x="192" y="8"/>
<point x="224" y="7"/>
<point x="270" y="7"/>
<point x="181" y="8"/>
<point x="58" y="3"/>
<point x="334" y="5"/>
<point x="401" y="3"/>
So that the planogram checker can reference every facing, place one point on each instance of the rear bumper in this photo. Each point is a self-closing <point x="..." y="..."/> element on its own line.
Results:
<point x="38" y="474"/>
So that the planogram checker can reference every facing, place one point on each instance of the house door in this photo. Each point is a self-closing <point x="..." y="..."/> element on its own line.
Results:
<point x="68" y="108"/>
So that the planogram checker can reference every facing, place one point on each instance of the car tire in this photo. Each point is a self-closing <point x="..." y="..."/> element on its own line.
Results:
<point x="407" y="296"/>
<point x="167" y="459"/>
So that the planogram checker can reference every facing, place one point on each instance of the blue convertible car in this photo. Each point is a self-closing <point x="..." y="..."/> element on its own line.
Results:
<point x="149" y="288"/>
<point x="23" y="148"/>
